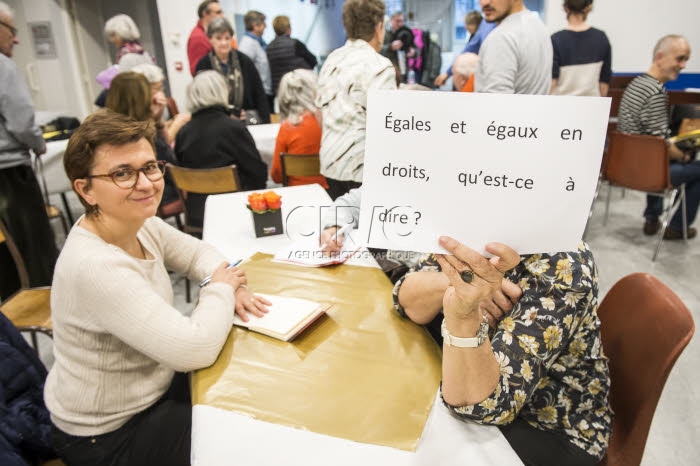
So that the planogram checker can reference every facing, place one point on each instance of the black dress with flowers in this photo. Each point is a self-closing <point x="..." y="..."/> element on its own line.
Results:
<point x="554" y="374"/>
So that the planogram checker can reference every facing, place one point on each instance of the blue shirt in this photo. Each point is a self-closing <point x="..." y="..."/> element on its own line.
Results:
<point x="476" y="40"/>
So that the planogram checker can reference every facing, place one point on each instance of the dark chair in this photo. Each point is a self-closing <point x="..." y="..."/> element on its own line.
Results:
<point x="29" y="308"/>
<point x="641" y="162"/>
<point x="202" y="181"/>
<point x="299" y="165"/>
<point x="644" y="328"/>
<point x="172" y="209"/>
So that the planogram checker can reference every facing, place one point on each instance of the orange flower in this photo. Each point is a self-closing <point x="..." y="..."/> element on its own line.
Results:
<point x="256" y="202"/>
<point x="274" y="200"/>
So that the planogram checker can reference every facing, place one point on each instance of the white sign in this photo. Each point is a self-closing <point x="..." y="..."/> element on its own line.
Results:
<point x="517" y="169"/>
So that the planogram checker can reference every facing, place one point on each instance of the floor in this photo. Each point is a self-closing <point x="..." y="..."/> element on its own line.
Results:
<point x="620" y="248"/>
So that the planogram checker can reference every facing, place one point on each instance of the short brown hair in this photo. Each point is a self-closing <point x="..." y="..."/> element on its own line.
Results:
<point x="473" y="17"/>
<point x="130" y="94"/>
<point x="103" y="127"/>
<point x="252" y="18"/>
<point x="204" y="6"/>
<point x="360" y="18"/>
<point x="281" y="24"/>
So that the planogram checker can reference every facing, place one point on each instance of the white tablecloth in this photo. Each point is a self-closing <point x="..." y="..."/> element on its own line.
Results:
<point x="228" y="224"/>
<point x="221" y="437"/>
<point x="265" y="137"/>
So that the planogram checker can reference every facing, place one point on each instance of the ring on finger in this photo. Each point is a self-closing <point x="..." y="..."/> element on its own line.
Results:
<point x="467" y="276"/>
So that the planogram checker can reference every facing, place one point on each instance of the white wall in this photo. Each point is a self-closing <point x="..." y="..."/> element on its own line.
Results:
<point x="634" y="26"/>
<point x="319" y="27"/>
<point x="55" y="82"/>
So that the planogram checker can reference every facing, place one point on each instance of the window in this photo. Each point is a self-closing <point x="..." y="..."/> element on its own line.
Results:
<point x="393" y="6"/>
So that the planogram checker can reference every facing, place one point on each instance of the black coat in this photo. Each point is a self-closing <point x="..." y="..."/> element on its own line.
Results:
<point x="212" y="139"/>
<point x="25" y="426"/>
<point x="254" y="96"/>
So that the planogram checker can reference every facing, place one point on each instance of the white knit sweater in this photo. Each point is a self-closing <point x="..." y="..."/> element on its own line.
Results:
<point x="117" y="337"/>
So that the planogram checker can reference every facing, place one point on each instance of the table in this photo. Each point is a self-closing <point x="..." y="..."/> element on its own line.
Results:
<point x="265" y="137"/>
<point x="358" y="387"/>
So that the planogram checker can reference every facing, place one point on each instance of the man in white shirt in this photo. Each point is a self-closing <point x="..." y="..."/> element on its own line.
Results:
<point x="516" y="57"/>
<point x="347" y="74"/>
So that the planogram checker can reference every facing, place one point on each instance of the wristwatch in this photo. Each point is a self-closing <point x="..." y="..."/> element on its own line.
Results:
<point x="472" y="342"/>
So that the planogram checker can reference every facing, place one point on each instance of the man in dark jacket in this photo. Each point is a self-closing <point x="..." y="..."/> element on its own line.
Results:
<point x="286" y="54"/>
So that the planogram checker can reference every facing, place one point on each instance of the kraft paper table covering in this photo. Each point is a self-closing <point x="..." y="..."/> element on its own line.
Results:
<point x="361" y="372"/>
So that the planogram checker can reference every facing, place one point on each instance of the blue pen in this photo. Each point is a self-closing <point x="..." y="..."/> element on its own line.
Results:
<point x="208" y="279"/>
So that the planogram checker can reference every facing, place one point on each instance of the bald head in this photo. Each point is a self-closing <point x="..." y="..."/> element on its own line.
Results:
<point x="671" y="54"/>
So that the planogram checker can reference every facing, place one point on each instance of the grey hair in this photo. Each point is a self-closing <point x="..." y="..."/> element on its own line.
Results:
<point x="465" y="64"/>
<point x="395" y="14"/>
<point x="207" y="89"/>
<point x="664" y="44"/>
<point x="219" y="26"/>
<point x="122" y="26"/>
<point x="152" y="72"/>
<point x="6" y="10"/>
<point x="296" y="94"/>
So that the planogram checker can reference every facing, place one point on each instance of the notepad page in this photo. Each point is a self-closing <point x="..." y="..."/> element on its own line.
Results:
<point x="284" y="314"/>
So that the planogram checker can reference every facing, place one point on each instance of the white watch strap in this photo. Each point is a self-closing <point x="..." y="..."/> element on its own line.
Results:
<point x="463" y="342"/>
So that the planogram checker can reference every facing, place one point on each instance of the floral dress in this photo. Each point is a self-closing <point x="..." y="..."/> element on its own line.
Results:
<point x="554" y="374"/>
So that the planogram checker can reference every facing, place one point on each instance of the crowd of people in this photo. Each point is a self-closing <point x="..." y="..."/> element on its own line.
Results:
<point x="520" y="335"/>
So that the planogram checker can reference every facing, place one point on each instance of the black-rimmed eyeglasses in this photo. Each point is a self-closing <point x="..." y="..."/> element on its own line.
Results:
<point x="127" y="177"/>
<point x="13" y="30"/>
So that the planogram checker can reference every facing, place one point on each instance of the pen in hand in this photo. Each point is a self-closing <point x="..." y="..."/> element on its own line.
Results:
<point x="340" y="232"/>
<point x="206" y="281"/>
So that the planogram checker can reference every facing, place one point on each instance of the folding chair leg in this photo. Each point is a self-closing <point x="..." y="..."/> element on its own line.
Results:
<point x="607" y="205"/>
<point x="69" y="215"/>
<point x="670" y="211"/>
<point x="684" y="214"/>
<point x="188" y="297"/>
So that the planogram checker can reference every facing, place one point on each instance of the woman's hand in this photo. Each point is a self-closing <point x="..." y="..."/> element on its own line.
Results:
<point x="233" y="276"/>
<point x="473" y="278"/>
<point x="247" y="302"/>
<point x="500" y="303"/>
<point x="329" y="245"/>
<point x="158" y="104"/>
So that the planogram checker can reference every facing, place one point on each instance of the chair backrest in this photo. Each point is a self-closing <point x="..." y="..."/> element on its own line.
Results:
<point x="172" y="107"/>
<point x="202" y="181"/>
<point x="637" y="161"/>
<point x="6" y="238"/>
<point x="299" y="165"/>
<point x="205" y="180"/>
<point x="644" y="328"/>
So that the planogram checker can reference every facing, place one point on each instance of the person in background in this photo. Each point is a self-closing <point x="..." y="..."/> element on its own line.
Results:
<point x="465" y="71"/>
<point x="118" y="391"/>
<point x="516" y="57"/>
<point x="246" y="89"/>
<point x="155" y="78"/>
<point x="130" y="94"/>
<point x="21" y="203"/>
<point x="198" y="44"/>
<point x="541" y="375"/>
<point x="122" y="32"/>
<point x="582" y="55"/>
<point x="300" y="131"/>
<point x="253" y="45"/>
<point x="347" y="74"/>
<point x="644" y="110"/>
<point x="398" y="43"/>
<point x="478" y="30"/>
<point x="213" y="139"/>
<point x="286" y="54"/>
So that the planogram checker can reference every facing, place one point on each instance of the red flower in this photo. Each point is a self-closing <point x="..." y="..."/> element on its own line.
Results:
<point x="256" y="202"/>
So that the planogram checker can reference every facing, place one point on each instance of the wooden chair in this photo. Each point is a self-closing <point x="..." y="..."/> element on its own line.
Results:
<point x="29" y="308"/>
<point x="644" y="328"/>
<point x="299" y="165"/>
<point x="202" y="181"/>
<point x="641" y="162"/>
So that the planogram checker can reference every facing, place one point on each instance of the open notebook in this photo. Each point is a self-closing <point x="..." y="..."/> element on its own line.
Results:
<point x="306" y="252"/>
<point x="288" y="317"/>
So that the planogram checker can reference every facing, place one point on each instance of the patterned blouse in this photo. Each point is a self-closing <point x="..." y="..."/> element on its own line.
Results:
<point x="554" y="374"/>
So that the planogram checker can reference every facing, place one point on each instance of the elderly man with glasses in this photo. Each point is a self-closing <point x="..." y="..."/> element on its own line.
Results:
<point x="21" y="203"/>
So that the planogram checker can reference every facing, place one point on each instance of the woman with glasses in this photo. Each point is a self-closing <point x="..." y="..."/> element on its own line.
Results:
<point x="117" y="391"/>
